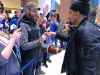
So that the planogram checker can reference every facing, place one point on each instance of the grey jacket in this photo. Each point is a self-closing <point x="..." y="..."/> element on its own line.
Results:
<point x="30" y="47"/>
<point x="25" y="43"/>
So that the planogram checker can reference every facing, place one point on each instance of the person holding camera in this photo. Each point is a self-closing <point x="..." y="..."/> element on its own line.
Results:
<point x="9" y="61"/>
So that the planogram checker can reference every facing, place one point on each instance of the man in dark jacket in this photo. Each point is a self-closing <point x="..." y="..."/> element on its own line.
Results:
<point x="29" y="40"/>
<point x="83" y="42"/>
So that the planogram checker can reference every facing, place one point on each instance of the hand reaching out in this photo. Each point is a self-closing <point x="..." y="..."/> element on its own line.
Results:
<point x="44" y="37"/>
<point x="49" y="34"/>
<point x="16" y="35"/>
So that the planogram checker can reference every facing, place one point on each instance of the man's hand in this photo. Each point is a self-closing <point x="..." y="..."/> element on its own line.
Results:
<point x="7" y="51"/>
<point x="49" y="34"/>
<point x="44" y="37"/>
<point x="16" y="35"/>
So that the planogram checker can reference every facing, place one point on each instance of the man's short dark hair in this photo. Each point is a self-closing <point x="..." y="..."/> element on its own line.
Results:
<point x="82" y="6"/>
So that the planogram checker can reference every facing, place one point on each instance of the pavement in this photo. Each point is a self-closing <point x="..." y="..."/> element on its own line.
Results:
<point x="54" y="68"/>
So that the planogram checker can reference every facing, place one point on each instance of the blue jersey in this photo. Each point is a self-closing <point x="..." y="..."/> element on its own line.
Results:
<point x="13" y="23"/>
<point x="53" y="27"/>
<point x="2" y="22"/>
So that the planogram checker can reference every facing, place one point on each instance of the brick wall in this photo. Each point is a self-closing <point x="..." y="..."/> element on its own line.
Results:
<point x="64" y="8"/>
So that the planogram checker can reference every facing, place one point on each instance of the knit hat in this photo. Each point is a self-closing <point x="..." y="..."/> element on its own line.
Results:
<point x="82" y="6"/>
<point x="30" y="6"/>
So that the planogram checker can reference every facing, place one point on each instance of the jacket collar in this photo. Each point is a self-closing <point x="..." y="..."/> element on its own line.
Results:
<point x="81" y="24"/>
<point x="83" y="21"/>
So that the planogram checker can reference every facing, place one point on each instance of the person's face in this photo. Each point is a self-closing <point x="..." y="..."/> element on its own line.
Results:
<point x="53" y="18"/>
<point x="39" y="19"/>
<point x="18" y="13"/>
<point x="73" y="16"/>
<point x="33" y="12"/>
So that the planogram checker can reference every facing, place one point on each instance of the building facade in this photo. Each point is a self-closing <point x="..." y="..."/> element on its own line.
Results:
<point x="12" y="4"/>
<point x="64" y="9"/>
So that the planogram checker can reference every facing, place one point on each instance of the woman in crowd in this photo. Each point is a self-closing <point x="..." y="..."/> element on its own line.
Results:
<point x="9" y="59"/>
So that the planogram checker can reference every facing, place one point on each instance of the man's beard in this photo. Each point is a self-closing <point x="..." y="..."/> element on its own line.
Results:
<point x="30" y="18"/>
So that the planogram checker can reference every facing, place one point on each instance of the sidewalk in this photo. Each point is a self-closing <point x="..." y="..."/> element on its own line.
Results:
<point x="54" y="68"/>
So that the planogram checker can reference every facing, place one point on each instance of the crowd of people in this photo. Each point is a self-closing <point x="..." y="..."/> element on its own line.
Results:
<point x="25" y="48"/>
<point x="26" y="37"/>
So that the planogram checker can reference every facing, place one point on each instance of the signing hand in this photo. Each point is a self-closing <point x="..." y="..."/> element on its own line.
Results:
<point x="16" y="34"/>
<point x="44" y="37"/>
<point x="50" y="33"/>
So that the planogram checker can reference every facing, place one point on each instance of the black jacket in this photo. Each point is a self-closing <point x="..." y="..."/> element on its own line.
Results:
<point x="29" y="40"/>
<point x="82" y="53"/>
